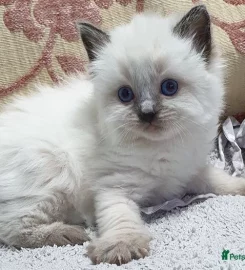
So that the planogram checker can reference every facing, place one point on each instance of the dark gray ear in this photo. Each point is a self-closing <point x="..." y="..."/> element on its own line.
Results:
<point x="196" y="25"/>
<point x="93" y="39"/>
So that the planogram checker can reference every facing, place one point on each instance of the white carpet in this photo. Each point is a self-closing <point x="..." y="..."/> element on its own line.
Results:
<point x="188" y="238"/>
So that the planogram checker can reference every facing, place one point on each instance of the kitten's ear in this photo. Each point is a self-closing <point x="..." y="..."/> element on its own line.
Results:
<point x="93" y="39"/>
<point x="196" y="25"/>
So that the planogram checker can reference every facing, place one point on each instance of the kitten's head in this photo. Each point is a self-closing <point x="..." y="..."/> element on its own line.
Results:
<point x="155" y="77"/>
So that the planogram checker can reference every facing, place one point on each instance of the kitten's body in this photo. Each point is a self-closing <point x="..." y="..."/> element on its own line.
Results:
<point x="65" y="152"/>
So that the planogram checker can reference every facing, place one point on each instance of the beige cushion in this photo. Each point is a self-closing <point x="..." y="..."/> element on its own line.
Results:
<point x="39" y="43"/>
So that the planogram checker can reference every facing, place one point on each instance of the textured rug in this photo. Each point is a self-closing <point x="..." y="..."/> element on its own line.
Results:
<point x="198" y="236"/>
<point x="189" y="238"/>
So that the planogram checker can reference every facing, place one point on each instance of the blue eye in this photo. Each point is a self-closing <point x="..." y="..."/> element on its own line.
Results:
<point x="125" y="94"/>
<point x="169" y="87"/>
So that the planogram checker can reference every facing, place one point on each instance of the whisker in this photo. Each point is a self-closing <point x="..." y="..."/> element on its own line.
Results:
<point x="113" y="131"/>
<point x="184" y="129"/>
<point x="192" y="121"/>
<point x="179" y="132"/>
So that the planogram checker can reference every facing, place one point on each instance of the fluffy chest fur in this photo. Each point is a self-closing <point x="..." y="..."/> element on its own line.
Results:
<point x="150" y="172"/>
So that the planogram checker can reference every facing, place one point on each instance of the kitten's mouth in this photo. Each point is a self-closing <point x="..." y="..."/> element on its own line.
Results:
<point x="152" y="128"/>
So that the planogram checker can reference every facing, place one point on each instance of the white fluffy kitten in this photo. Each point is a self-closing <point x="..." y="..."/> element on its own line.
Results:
<point x="136" y="134"/>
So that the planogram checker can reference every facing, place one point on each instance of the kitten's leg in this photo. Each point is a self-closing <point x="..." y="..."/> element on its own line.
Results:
<point x="121" y="234"/>
<point x="217" y="181"/>
<point x="39" y="225"/>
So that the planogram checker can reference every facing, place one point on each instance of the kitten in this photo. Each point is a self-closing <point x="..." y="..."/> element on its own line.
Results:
<point x="135" y="134"/>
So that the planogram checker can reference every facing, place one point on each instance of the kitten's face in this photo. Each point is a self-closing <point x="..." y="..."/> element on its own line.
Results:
<point x="153" y="81"/>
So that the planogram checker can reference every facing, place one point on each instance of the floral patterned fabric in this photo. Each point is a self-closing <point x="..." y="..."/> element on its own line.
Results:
<point x="40" y="43"/>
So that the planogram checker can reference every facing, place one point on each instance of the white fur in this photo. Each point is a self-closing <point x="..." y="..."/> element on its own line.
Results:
<point x="64" y="151"/>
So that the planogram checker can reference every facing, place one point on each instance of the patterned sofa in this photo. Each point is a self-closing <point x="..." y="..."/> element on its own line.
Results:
<point x="39" y="42"/>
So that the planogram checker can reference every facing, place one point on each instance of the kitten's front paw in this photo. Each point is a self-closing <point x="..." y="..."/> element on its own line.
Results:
<point x="119" y="249"/>
<point x="64" y="234"/>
